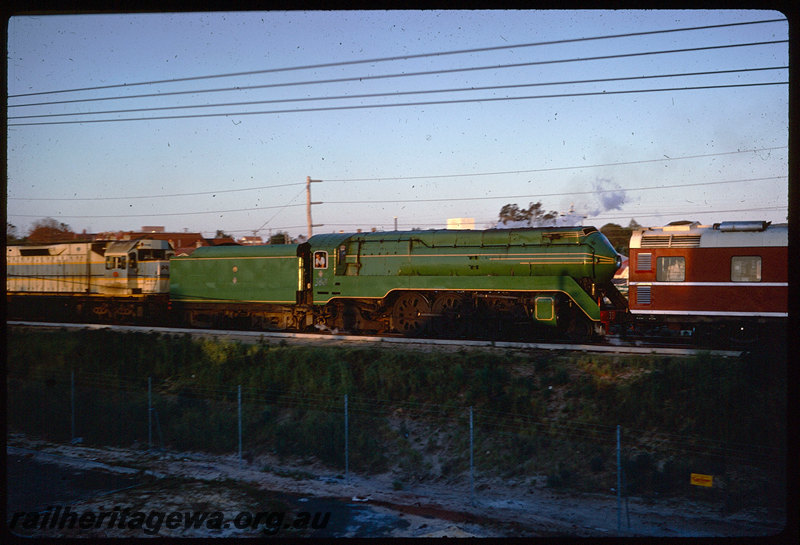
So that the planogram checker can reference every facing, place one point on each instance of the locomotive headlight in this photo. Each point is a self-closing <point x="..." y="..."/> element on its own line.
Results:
<point x="618" y="261"/>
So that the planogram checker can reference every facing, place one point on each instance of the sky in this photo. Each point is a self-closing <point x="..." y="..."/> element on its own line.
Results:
<point x="521" y="117"/>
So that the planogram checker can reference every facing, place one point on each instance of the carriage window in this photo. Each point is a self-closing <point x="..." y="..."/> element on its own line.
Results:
<point x="670" y="269"/>
<point x="109" y="263"/>
<point x="746" y="268"/>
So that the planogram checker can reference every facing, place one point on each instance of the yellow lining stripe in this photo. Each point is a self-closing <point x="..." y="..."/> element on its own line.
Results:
<point x="328" y="300"/>
<point x="54" y="263"/>
<point x="235" y="258"/>
<point x="78" y="295"/>
<point x="227" y="301"/>
<point x="472" y="254"/>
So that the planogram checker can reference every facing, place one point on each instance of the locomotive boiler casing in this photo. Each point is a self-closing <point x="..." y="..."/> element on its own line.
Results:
<point x="536" y="260"/>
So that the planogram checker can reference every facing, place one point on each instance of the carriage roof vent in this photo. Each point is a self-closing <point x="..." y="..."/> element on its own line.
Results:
<point x="732" y="226"/>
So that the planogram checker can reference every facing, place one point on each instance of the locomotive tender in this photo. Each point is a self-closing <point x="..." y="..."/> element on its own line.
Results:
<point x="410" y="282"/>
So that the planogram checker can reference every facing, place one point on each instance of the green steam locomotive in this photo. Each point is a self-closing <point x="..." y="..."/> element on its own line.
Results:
<point x="497" y="282"/>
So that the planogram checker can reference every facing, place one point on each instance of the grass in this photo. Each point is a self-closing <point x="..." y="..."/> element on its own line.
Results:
<point x="535" y="413"/>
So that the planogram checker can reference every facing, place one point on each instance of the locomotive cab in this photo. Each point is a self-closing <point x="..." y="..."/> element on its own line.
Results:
<point x="137" y="266"/>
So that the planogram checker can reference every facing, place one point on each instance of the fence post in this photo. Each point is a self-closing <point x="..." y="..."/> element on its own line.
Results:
<point x="72" y="403"/>
<point x="471" y="464"/>
<point x="149" y="413"/>
<point x="346" y="443"/>
<point x="240" y="424"/>
<point x="619" y="484"/>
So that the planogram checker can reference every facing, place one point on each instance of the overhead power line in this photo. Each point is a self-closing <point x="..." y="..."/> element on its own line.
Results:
<point x="445" y="199"/>
<point x="158" y="196"/>
<point x="263" y="225"/>
<point x="539" y="195"/>
<point x="254" y="209"/>
<point x="602" y="216"/>
<point x="550" y="169"/>
<point x="401" y="104"/>
<point x="387" y="178"/>
<point x="396" y="58"/>
<point x="400" y="93"/>
<point x="690" y="212"/>
<point x="400" y="75"/>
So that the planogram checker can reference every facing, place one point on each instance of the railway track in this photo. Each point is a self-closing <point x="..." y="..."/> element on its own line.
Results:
<point x="613" y="345"/>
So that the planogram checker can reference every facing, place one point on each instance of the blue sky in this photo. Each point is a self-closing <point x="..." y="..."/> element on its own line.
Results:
<point x="420" y="163"/>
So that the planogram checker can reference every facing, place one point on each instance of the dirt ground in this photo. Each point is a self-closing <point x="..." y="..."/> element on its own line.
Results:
<point x="498" y="509"/>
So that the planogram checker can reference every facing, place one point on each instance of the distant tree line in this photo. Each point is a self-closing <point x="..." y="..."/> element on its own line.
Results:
<point x="534" y="215"/>
<point x="49" y="230"/>
<point x="620" y="237"/>
<point x="42" y="231"/>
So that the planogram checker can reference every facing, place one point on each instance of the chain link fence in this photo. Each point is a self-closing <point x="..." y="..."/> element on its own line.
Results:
<point x="418" y="442"/>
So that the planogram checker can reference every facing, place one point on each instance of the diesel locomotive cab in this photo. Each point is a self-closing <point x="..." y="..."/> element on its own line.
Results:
<point x="136" y="267"/>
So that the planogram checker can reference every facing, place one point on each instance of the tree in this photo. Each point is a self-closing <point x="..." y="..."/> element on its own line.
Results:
<point x="620" y="237"/>
<point x="11" y="234"/>
<point x="533" y="215"/>
<point x="222" y="234"/>
<point x="279" y="238"/>
<point x="49" y="230"/>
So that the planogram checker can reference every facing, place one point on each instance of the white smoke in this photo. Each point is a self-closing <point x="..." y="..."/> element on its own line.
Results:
<point x="611" y="195"/>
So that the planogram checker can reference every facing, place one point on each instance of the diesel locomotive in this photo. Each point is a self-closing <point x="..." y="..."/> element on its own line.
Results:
<point x="108" y="281"/>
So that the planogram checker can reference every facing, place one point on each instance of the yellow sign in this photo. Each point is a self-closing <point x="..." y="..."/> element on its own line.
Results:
<point x="698" y="479"/>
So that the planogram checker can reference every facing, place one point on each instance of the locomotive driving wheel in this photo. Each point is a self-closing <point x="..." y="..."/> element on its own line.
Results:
<point x="410" y="313"/>
<point x="451" y="315"/>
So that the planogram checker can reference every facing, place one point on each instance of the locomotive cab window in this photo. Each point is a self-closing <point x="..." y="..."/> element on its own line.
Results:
<point x="670" y="269"/>
<point x="113" y="262"/>
<point x="746" y="268"/>
<point x="320" y="260"/>
<point x="152" y="255"/>
<point x="132" y="261"/>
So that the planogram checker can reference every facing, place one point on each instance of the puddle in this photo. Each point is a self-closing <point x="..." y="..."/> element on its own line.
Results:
<point x="34" y="486"/>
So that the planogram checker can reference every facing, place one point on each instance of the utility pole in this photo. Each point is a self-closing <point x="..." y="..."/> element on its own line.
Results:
<point x="308" y="205"/>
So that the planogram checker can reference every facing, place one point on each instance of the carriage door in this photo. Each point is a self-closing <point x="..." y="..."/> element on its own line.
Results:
<point x="304" y="274"/>
<point x="133" y="273"/>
